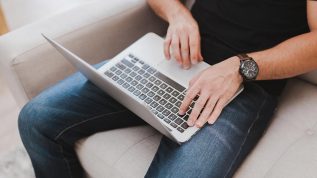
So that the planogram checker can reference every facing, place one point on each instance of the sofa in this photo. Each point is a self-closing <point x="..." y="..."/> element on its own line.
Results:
<point x="97" y="30"/>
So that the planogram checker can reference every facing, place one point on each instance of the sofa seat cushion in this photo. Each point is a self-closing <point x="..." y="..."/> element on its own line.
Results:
<point x="288" y="149"/>
<point x="125" y="152"/>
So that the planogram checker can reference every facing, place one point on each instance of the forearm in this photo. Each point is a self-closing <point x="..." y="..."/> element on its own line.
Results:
<point x="168" y="9"/>
<point x="292" y="57"/>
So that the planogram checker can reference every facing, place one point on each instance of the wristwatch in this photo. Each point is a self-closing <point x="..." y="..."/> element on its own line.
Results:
<point x="249" y="69"/>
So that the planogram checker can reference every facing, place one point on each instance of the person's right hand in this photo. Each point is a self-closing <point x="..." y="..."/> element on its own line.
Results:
<point x="183" y="40"/>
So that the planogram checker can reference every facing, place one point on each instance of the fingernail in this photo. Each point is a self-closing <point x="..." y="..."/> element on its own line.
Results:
<point x="211" y="122"/>
<point x="190" y="123"/>
<point x="194" y="61"/>
<point x="186" y="67"/>
<point x="181" y="112"/>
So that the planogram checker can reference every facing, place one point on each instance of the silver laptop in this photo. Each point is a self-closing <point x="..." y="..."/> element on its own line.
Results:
<point x="141" y="79"/>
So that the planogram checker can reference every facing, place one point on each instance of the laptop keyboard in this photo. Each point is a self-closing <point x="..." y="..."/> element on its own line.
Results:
<point x="163" y="95"/>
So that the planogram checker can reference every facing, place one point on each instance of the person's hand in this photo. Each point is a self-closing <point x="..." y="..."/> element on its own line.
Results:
<point x="215" y="86"/>
<point x="183" y="40"/>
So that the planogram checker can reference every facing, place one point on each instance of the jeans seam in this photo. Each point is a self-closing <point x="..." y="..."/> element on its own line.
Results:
<point x="245" y="138"/>
<point x="66" y="161"/>
<point x="84" y="121"/>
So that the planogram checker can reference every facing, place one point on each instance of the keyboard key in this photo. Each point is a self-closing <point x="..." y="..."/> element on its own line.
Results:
<point x="163" y="86"/>
<point x="128" y="79"/>
<point x="109" y="74"/>
<point x="169" y="90"/>
<point x="180" y="130"/>
<point x="178" y="103"/>
<point x="160" y="116"/>
<point x="160" y="92"/>
<point x="131" y="56"/>
<point x="133" y="74"/>
<point x="173" y="124"/>
<point x="172" y="117"/>
<point x="127" y="70"/>
<point x="162" y="101"/>
<point x="136" y="68"/>
<point x="115" y="78"/>
<point x="184" y="125"/>
<point x="112" y="69"/>
<point x="181" y="97"/>
<point x="135" y="58"/>
<point x="145" y="66"/>
<point x="139" y="86"/>
<point x="126" y="85"/>
<point x="189" y="111"/>
<point x="131" y="89"/>
<point x="169" y="81"/>
<point x="152" y="79"/>
<point x="146" y="75"/>
<point x="142" y="96"/>
<point x="148" y="100"/>
<point x="127" y="63"/>
<point x="138" y="78"/>
<point x="118" y="72"/>
<point x="157" y="82"/>
<point x="160" y="108"/>
<point x="120" y="82"/>
<point x="166" y="112"/>
<point x="141" y="62"/>
<point x="145" y="90"/>
<point x="186" y="118"/>
<point x="151" y="94"/>
<point x="155" y="88"/>
<point x="192" y="104"/>
<point x="167" y="120"/>
<point x="149" y="85"/>
<point x="172" y="100"/>
<point x="156" y="98"/>
<point x="151" y="70"/>
<point x="143" y="81"/>
<point x="121" y="66"/>
<point x="178" y="121"/>
<point x="123" y="76"/>
<point x="154" y="104"/>
<point x="174" y="110"/>
<point x="175" y="93"/>
<point x="141" y="72"/>
<point x="168" y="106"/>
<point x="134" y="83"/>
<point x="167" y="96"/>
<point x="136" y="92"/>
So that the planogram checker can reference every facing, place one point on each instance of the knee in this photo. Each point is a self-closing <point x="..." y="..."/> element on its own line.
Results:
<point x="30" y="121"/>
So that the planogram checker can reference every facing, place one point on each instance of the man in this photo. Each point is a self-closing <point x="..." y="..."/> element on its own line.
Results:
<point x="277" y="40"/>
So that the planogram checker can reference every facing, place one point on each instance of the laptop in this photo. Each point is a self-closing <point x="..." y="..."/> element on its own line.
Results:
<point x="141" y="79"/>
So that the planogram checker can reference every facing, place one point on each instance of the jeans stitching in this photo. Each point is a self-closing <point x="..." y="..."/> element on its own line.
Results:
<point x="245" y="138"/>
<point x="66" y="161"/>
<point x="84" y="121"/>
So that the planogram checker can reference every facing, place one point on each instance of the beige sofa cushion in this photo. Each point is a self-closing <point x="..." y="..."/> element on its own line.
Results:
<point x="288" y="149"/>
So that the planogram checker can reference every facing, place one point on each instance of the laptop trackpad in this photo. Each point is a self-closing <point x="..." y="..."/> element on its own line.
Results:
<point x="173" y="70"/>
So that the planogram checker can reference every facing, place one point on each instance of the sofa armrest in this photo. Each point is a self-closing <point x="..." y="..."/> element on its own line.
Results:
<point x="95" y="31"/>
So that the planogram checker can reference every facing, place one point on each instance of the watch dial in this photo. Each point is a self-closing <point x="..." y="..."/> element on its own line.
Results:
<point x="250" y="69"/>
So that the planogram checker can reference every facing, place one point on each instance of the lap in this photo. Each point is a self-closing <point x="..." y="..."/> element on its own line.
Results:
<point x="215" y="149"/>
<point x="77" y="105"/>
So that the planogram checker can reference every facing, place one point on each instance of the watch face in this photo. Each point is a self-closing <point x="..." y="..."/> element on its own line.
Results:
<point x="249" y="69"/>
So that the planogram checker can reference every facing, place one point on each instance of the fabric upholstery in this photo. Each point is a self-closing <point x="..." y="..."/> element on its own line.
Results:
<point x="94" y="31"/>
<point x="287" y="150"/>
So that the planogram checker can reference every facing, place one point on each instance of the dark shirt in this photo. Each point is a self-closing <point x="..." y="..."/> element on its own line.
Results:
<point x="230" y="27"/>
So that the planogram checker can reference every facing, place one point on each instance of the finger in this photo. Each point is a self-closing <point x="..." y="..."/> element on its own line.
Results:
<point x="217" y="111"/>
<point x="204" y="116"/>
<point x="199" y="105"/>
<point x="194" y="41"/>
<point x="190" y="95"/>
<point x="185" y="51"/>
<point x="176" y="50"/>
<point x="193" y="80"/>
<point x="167" y="45"/>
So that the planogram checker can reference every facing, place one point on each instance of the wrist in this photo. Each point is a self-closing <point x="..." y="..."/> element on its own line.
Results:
<point x="235" y="62"/>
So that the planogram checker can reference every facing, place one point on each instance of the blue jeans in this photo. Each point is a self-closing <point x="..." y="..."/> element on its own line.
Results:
<point x="52" y="122"/>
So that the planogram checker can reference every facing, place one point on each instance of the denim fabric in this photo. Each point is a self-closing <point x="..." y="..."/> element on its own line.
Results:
<point x="52" y="122"/>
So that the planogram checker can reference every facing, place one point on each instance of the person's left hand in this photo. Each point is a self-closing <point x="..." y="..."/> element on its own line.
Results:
<point x="215" y="86"/>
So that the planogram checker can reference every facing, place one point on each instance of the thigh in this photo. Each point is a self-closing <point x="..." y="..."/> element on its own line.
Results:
<point x="75" y="108"/>
<point x="216" y="150"/>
